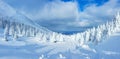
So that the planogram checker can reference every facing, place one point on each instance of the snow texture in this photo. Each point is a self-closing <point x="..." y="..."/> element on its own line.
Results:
<point x="23" y="38"/>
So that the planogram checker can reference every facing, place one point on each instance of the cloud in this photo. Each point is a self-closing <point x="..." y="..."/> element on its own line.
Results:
<point x="70" y="16"/>
<point x="110" y="53"/>
<point x="58" y="15"/>
<point x="101" y="13"/>
<point x="11" y="57"/>
<point x="82" y="23"/>
<point x="56" y="10"/>
<point x="94" y="15"/>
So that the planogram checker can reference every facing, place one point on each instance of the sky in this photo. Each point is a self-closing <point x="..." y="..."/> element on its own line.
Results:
<point x="67" y="15"/>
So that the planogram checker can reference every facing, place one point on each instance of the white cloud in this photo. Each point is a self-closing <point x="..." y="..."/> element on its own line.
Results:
<point x="69" y="16"/>
<point x="95" y="15"/>
<point x="101" y="13"/>
<point x="110" y="53"/>
<point x="81" y="23"/>
<point x="55" y="10"/>
<point x="11" y="57"/>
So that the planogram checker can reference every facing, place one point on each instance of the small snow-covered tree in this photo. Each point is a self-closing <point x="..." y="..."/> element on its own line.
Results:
<point x="53" y="37"/>
<point x="42" y="57"/>
<point x="87" y="36"/>
<point x="15" y="36"/>
<point x="6" y="32"/>
<point x="18" y="29"/>
<point x="11" y="30"/>
<point x="82" y="38"/>
<point x="61" y="39"/>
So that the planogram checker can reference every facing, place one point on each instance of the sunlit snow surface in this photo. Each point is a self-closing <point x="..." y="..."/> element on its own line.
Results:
<point x="109" y="49"/>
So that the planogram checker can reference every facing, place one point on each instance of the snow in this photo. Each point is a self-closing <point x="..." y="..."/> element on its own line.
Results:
<point x="45" y="50"/>
<point x="41" y="57"/>
<point x="6" y="10"/>
<point x="61" y="56"/>
<point x="21" y="38"/>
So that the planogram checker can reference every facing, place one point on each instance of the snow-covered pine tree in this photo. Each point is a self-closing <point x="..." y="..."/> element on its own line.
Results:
<point x="6" y="32"/>
<point x="11" y="29"/>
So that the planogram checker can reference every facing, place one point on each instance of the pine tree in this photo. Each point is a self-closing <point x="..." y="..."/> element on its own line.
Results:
<point x="6" y="32"/>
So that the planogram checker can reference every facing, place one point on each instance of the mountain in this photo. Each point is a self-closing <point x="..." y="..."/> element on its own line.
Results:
<point x="16" y="24"/>
<point x="6" y="10"/>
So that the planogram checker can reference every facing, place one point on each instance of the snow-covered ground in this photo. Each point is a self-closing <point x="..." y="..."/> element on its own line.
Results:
<point x="108" y="49"/>
<point x="21" y="38"/>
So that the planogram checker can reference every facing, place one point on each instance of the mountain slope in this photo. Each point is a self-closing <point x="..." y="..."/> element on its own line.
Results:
<point x="16" y="24"/>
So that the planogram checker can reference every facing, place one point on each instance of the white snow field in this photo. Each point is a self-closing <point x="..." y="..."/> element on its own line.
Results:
<point x="21" y="38"/>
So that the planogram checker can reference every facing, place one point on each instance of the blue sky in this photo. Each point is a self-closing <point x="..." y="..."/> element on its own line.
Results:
<point x="67" y="15"/>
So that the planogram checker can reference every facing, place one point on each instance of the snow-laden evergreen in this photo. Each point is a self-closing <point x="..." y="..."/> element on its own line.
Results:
<point x="94" y="35"/>
<point x="16" y="30"/>
<point x="99" y="33"/>
<point x="17" y="25"/>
